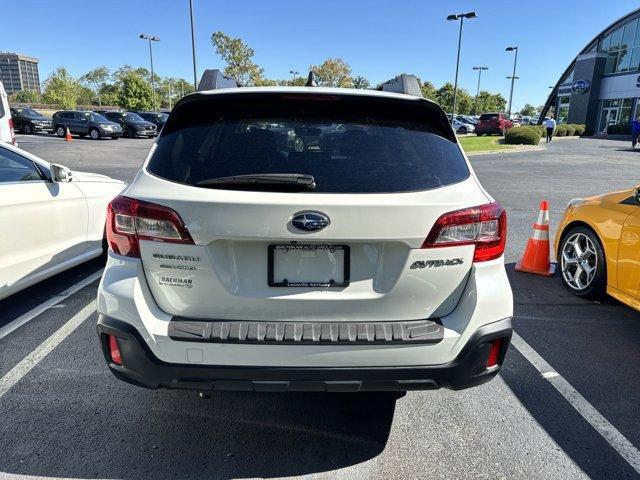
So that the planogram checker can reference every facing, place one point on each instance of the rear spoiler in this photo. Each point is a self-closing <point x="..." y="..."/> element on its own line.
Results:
<point x="404" y="83"/>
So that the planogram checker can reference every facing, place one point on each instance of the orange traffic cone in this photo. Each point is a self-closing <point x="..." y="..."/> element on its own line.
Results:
<point x="67" y="137"/>
<point x="536" y="254"/>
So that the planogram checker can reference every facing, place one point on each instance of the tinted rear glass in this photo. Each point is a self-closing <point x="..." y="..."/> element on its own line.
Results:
<point x="349" y="146"/>
<point x="489" y="116"/>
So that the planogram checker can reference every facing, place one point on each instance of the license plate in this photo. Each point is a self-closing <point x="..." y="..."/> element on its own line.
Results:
<point x="319" y="266"/>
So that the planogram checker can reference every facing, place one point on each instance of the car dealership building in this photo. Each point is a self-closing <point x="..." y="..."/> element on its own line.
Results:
<point x="601" y="86"/>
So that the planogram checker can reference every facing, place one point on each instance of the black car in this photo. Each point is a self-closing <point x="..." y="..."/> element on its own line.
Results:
<point x="85" y="123"/>
<point x="157" y="118"/>
<point x="27" y="120"/>
<point x="132" y="124"/>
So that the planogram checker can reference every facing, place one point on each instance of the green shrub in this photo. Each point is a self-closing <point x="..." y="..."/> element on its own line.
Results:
<point x="561" y="131"/>
<point x="571" y="131"/>
<point x="579" y="129"/>
<point x="522" y="136"/>
<point x="588" y="131"/>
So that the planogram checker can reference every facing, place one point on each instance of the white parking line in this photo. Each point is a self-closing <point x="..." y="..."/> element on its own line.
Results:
<point x="618" y="441"/>
<point x="21" y="369"/>
<point x="34" y="312"/>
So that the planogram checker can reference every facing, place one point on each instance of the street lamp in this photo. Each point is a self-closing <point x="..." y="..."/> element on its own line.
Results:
<point x="151" y="38"/>
<point x="193" y="46"/>
<point x="513" y="77"/>
<point x="294" y="73"/>
<point x="480" y="69"/>
<point x="461" y="17"/>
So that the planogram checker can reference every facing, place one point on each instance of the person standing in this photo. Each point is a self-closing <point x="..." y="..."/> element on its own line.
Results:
<point x="635" y="131"/>
<point x="550" y="123"/>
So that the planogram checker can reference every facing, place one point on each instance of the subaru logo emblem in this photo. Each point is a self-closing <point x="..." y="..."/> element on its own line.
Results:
<point x="310" y="221"/>
<point x="580" y="86"/>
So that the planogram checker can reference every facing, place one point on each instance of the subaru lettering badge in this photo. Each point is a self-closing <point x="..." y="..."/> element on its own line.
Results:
<point x="310" y="221"/>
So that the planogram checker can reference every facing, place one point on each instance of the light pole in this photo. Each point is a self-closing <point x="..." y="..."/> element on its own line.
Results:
<point x="480" y="69"/>
<point x="513" y="76"/>
<point x="151" y="38"/>
<point x="295" y="74"/>
<point x="193" y="46"/>
<point x="461" y="17"/>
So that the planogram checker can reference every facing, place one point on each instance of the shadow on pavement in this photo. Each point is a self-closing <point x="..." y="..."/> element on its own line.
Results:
<point x="596" y="348"/>
<point x="114" y="430"/>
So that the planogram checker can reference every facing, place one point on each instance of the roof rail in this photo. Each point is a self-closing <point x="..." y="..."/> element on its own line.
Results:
<point x="403" y="83"/>
<point x="215" y="79"/>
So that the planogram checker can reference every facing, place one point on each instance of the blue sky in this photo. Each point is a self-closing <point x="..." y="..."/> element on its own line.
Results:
<point x="379" y="39"/>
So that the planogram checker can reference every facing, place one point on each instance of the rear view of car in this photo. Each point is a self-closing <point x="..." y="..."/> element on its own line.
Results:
<point x="7" y="134"/>
<point x="364" y="257"/>
<point x="493" y="124"/>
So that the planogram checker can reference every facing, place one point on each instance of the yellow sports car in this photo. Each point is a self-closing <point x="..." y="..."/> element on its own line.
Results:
<point x="598" y="246"/>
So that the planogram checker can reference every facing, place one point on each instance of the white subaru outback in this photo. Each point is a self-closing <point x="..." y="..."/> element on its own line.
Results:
<point x="287" y="239"/>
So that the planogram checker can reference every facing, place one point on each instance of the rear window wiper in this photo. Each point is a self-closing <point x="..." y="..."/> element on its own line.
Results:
<point x="278" y="182"/>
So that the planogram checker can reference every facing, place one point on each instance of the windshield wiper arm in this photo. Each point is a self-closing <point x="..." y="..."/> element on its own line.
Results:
<point x="263" y="181"/>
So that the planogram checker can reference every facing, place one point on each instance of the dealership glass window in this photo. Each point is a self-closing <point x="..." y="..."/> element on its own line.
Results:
<point x="604" y="44"/>
<point x="629" y="34"/>
<point x="612" y="62"/>
<point x="563" y="108"/>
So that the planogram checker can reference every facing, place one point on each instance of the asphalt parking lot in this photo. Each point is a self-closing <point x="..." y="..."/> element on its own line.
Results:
<point x="66" y="416"/>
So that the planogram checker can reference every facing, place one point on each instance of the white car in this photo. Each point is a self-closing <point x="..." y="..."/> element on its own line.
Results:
<point x="7" y="135"/>
<point x="462" y="128"/>
<point x="52" y="218"/>
<point x="373" y="261"/>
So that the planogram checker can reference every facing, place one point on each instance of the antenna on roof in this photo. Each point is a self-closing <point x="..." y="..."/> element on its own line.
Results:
<point x="311" y="82"/>
<point x="215" y="79"/>
<point x="407" y="84"/>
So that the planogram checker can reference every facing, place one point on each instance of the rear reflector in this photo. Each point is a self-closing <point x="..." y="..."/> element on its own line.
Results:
<point x="130" y="220"/>
<point x="494" y="353"/>
<point x="484" y="226"/>
<point x="114" y="350"/>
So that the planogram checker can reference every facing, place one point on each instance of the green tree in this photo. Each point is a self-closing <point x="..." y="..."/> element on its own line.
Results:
<point x="135" y="92"/>
<point x="96" y="79"/>
<point x="239" y="58"/>
<point x="61" y="89"/>
<point x="428" y="90"/>
<point x="361" y="82"/>
<point x="528" y="110"/>
<point x="109" y="94"/>
<point x="86" y="96"/>
<point x="26" y="96"/>
<point x="333" y="72"/>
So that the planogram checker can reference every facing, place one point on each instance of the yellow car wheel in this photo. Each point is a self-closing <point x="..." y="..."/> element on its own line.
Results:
<point x="582" y="263"/>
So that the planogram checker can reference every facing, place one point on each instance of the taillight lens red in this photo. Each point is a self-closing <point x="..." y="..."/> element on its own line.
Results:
<point x="130" y="220"/>
<point x="484" y="226"/>
<point x="494" y="353"/>
<point x="13" y="134"/>
<point x="114" y="350"/>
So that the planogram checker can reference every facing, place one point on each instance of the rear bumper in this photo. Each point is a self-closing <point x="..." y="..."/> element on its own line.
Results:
<point x="142" y="368"/>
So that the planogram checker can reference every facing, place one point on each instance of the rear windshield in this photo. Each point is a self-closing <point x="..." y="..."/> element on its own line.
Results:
<point x="489" y="116"/>
<point x="347" y="146"/>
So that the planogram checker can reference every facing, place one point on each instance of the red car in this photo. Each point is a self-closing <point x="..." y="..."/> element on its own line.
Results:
<point x="493" y="123"/>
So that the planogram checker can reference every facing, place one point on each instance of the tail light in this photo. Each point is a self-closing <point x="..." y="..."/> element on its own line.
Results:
<point x="484" y="226"/>
<point x="494" y="353"/>
<point x="130" y="220"/>
<point x="13" y="133"/>
<point x="114" y="350"/>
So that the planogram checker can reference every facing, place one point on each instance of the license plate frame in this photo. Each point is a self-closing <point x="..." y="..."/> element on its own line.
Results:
<point x="346" y="267"/>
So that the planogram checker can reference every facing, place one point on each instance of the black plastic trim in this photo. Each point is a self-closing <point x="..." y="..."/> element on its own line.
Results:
<point x="141" y="367"/>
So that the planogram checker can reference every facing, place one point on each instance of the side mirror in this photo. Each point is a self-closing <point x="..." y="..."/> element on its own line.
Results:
<point x="60" y="174"/>
<point x="637" y="195"/>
